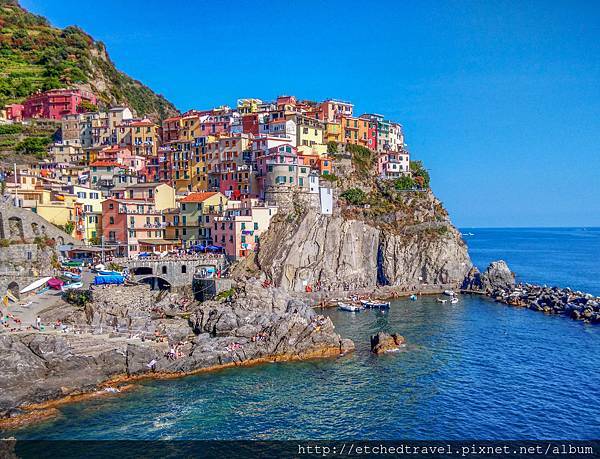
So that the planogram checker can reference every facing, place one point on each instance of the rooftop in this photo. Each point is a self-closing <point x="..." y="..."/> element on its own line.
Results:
<point x="198" y="197"/>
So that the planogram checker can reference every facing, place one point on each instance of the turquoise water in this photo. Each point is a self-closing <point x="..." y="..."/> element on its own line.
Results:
<point x="473" y="370"/>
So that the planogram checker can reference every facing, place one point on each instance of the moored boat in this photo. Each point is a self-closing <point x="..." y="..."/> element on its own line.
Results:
<point x="72" y="286"/>
<point x="454" y="300"/>
<point x="440" y="300"/>
<point x="413" y="297"/>
<point x="375" y="304"/>
<point x="349" y="307"/>
<point x="449" y="292"/>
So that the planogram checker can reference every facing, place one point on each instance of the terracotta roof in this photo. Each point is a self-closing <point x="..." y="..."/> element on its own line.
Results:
<point x="198" y="197"/>
<point x="105" y="164"/>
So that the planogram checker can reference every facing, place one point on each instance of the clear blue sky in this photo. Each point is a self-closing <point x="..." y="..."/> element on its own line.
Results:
<point x="501" y="100"/>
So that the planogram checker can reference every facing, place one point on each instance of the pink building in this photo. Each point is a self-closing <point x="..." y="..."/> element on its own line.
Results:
<point x="239" y="227"/>
<point x="391" y="164"/>
<point x="56" y="103"/>
<point x="14" y="112"/>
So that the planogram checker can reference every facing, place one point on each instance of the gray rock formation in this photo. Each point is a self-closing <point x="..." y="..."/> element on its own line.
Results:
<point x="497" y="276"/>
<point x="125" y="329"/>
<point x="405" y="248"/>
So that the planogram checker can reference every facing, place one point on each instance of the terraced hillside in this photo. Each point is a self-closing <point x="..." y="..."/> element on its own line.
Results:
<point x="34" y="55"/>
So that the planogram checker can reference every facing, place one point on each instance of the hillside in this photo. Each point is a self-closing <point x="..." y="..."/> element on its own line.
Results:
<point x="34" y="55"/>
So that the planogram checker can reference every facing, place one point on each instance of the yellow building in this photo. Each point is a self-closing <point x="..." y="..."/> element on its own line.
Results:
<point x="90" y="201"/>
<point x="58" y="209"/>
<point x="309" y="131"/>
<point x="333" y="132"/>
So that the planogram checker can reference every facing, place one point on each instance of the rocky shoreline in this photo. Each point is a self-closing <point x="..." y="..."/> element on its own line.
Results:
<point x="498" y="283"/>
<point x="126" y="334"/>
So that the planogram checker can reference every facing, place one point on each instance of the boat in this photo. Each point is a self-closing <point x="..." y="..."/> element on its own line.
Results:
<point x="439" y="300"/>
<point x="375" y="304"/>
<point x="449" y="292"/>
<point x="413" y="297"/>
<point x="107" y="280"/>
<point x="103" y="272"/>
<point x="35" y="285"/>
<point x="454" y="300"/>
<point x="72" y="286"/>
<point x="349" y="307"/>
<point x="72" y="276"/>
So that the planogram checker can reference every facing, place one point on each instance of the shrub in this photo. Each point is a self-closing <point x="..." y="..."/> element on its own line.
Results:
<point x="420" y="174"/>
<point x="332" y="147"/>
<point x="362" y="158"/>
<point x="225" y="294"/>
<point x="404" y="183"/>
<point x="4" y="242"/>
<point x="77" y="297"/>
<point x="6" y="129"/>
<point x="34" y="146"/>
<point x="354" y="196"/>
<point x="329" y="177"/>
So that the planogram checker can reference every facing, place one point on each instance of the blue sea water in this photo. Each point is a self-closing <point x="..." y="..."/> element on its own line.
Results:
<point x="477" y="369"/>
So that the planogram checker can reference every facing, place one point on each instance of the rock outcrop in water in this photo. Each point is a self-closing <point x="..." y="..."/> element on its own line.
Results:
<point x="128" y="331"/>
<point x="384" y="342"/>
<point x="498" y="282"/>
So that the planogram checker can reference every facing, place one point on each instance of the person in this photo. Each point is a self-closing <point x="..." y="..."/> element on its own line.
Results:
<point x="38" y="322"/>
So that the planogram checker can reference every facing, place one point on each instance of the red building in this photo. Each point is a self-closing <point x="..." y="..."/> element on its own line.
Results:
<point x="56" y="103"/>
<point x="250" y="124"/>
<point x="14" y="112"/>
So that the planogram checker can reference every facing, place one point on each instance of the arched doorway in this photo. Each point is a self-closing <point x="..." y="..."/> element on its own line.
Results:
<point x="13" y="289"/>
<point x="157" y="283"/>
<point x="15" y="225"/>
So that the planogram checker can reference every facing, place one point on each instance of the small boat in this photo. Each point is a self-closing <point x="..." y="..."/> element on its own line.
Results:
<point x="349" y="307"/>
<point x="413" y="297"/>
<point x="375" y="304"/>
<point x="72" y="286"/>
<point x="454" y="300"/>
<point x="103" y="272"/>
<point x="72" y="276"/>
<point x="449" y="292"/>
<point x="35" y="285"/>
<point x="439" y="300"/>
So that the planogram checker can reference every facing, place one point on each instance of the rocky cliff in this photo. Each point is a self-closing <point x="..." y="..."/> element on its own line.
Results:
<point x="409" y="245"/>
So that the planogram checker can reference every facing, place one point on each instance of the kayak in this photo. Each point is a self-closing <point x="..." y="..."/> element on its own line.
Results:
<point x="34" y="285"/>
<point x="72" y="276"/>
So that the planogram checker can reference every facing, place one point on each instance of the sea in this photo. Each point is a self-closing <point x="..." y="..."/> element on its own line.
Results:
<point x="477" y="369"/>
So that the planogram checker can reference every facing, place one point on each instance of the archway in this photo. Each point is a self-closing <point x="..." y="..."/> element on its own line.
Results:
<point x="15" y="225"/>
<point x="142" y="271"/>
<point x="157" y="283"/>
<point x="13" y="289"/>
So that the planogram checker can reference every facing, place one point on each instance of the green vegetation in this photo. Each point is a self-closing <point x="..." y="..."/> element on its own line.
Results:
<point x="4" y="242"/>
<point x="363" y="159"/>
<point x="420" y="174"/>
<point x="77" y="297"/>
<point x="404" y="183"/>
<point x="43" y="242"/>
<point x="330" y="177"/>
<point x="115" y="267"/>
<point x="7" y="129"/>
<point x="354" y="196"/>
<point x="36" y="146"/>
<point x="36" y="56"/>
<point x="332" y="147"/>
<point x="225" y="294"/>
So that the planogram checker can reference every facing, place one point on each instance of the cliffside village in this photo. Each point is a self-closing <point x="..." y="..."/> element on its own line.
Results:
<point x="203" y="179"/>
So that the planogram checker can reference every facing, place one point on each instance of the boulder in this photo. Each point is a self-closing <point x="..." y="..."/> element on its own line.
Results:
<point x="384" y="342"/>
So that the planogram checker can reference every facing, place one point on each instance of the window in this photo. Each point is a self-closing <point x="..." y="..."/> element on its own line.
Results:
<point x="164" y="270"/>
<point x="255" y="225"/>
<point x="243" y="239"/>
<point x="111" y="220"/>
<point x="183" y="269"/>
<point x="94" y="195"/>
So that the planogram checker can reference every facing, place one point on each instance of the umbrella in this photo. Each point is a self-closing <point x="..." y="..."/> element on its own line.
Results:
<point x="55" y="283"/>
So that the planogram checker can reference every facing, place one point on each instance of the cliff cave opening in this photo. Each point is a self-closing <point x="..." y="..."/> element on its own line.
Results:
<point x="381" y="277"/>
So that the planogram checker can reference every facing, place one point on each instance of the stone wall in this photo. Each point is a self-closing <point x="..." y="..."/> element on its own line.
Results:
<point x="22" y="225"/>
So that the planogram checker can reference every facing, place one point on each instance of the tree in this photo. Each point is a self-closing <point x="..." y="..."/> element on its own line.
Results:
<point x="418" y="170"/>
<point x="404" y="183"/>
<point x="34" y="146"/>
<point x="332" y="147"/>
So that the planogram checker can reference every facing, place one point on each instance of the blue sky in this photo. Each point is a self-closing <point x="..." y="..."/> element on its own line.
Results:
<point x="501" y="100"/>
